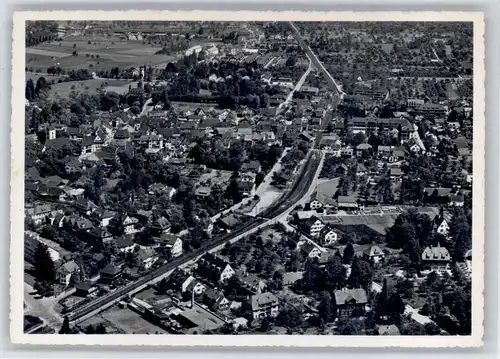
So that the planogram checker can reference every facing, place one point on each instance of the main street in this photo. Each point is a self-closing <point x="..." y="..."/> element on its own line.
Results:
<point x="312" y="56"/>
<point x="297" y="88"/>
<point x="279" y="209"/>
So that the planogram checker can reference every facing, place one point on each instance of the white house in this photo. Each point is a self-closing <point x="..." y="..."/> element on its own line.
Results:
<point x="64" y="272"/>
<point x="172" y="243"/>
<point x="312" y="226"/>
<point x="328" y="236"/>
<point x="147" y="257"/>
<point x="443" y="228"/>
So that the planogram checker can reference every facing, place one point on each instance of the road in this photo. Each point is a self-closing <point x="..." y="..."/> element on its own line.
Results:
<point x="312" y="56"/>
<point x="42" y="308"/>
<point x="297" y="87"/>
<point x="415" y="315"/>
<point x="277" y="211"/>
<point x="146" y="108"/>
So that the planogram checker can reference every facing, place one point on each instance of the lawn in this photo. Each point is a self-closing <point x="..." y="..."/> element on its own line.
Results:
<point x="64" y="89"/>
<point x="130" y="322"/>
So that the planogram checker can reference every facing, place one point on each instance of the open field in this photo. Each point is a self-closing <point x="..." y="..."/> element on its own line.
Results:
<point x="64" y="89"/>
<point x="102" y="54"/>
<point x="130" y="321"/>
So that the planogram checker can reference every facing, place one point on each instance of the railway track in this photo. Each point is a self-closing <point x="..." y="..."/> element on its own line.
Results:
<point x="298" y="190"/>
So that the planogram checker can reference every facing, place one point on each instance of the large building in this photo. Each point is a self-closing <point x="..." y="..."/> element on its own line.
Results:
<point x="371" y="123"/>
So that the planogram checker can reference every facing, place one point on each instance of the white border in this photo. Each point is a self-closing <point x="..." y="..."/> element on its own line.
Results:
<point x="17" y="186"/>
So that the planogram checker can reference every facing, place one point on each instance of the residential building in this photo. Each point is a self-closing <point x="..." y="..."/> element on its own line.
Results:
<point x="147" y="257"/>
<point x="125" y="243"/>
<point x="312" y="226"/>
<point x="350" y="302"/>
<point x="328" y="236"/>
<point x="436" y="258"/>
<point x="263" y="305"/>
<point x="214" y="268"/>
<point x="110" y="273"/>
<point x="65" y="271"/>
<point x="374" y="254"/>
<point x="172" y="243"/>
<point x="215" y="300"/>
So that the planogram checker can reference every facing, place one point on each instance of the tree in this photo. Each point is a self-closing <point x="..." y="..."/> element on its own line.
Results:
<point x="460" y="234"/>
<point x="30" y="90"/>
<point x="382" y="308"/>
<point x="334" y="273"/>
<point x="326" y="309"/>
<point x="43" y="264"/>
<point x="361" y="274"/>
<point x="101" y="329"/>
<point x="65" y="329"/>
<point x="432" y="329"/>
<point x="348" y="254"/>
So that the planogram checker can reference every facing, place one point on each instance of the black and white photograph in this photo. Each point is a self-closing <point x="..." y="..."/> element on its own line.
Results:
<point x="249" y="178"/>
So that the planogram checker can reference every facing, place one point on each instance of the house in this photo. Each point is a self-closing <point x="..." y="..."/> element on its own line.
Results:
<point x="214" y="268"/>
<point x="310" y="250"/>
<point x="331" y="146"/>
<point x="99" y="236"/>
<point x="413" y="146"/>
<point x="252" y="166"/>
<point x="328" y="236"/>
<point x="172" y="243"/>
<point x="457" y="200"/>
<point x="312" y="226"/>
<point x="106" y="217"/>
<point x="128" y="224"/>
<point x="88" y="145"/>
<point x="160" y="225"/>
<point x="84" y="289"/>
<point x="388" y="330"/>
<point x="374" y="254"/>
<point x="436" y="258"/>
<point x="395" y="173"/>
<point x="228" y="222"/>
<point x="38" y="213"/>
<point x="290" y="278"/>
<point x="125" y="243"/>
<point x="185" y="283"/>
<point x="263" y="305"/>
<point x="347" y="203"/>
<point x="361" y="170"/>
<point x="251" y="283"/>
<point x="442" y="226"/>
<point x="147" y="257"/>
<point x="323" y="197"/>
<point x="215" y="300"/>
<point x="31" y="243"/>
<point x="350" y="302"/>
<point x="110" y="273"/>
<point x="347" y="152"/>
<point x="363" y="149"/>
<point x="65" y="271"/>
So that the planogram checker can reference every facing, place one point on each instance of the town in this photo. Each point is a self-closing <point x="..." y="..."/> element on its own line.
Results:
<point x="248" y="178"/>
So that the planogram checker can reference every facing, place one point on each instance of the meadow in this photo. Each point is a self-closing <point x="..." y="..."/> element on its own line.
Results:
<point x="102" y="54"/>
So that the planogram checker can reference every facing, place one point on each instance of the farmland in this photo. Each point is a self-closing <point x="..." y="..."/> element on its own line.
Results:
<point x="64" y="89"/>
<point x="98" y="55"/>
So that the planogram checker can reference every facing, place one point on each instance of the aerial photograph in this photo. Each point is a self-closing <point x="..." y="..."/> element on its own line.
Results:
<point x="248" y="178"/>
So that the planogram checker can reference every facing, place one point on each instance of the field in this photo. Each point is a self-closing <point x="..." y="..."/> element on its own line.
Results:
<point x="102" y="54"/>
<point x="123" y="320"/>
<point x="63" y="89"/>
